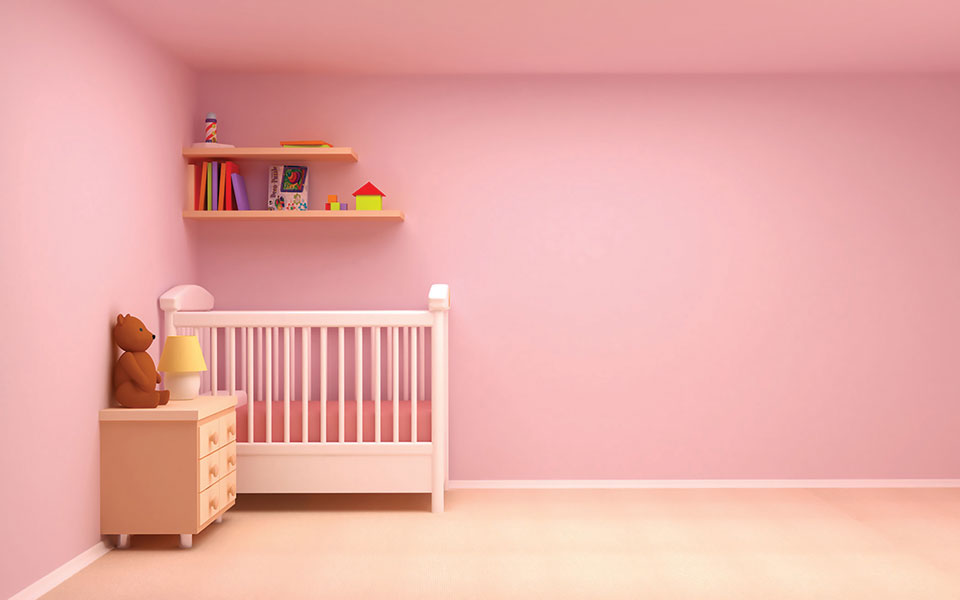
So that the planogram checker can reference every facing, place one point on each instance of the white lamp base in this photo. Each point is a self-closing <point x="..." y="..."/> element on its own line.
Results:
<point x="183" y="386"/>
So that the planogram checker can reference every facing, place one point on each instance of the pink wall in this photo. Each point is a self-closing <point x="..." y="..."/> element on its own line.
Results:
<point x="704" y="277"/>
<point x="92" y="125"/>
<point x="653" y="277"/>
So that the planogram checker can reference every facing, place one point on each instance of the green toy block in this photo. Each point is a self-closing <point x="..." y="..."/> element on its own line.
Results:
<point x="369" y="202"/>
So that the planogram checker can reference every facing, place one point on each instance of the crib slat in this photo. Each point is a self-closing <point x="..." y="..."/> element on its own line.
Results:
<point x="208" y="331"/>
<point x="268" y="383"/>
<point x="243" y="359"/>
<point x="287" y="360"/>
<point x="275" y="333"/>
<point x="421" y="362"/>
<point x="375" y="339"/>
<point x="203" y="348"/>
<point x="305" y="382"/>
<point x="390" y="364"/>
<point x="249" y="363"/>
<point x="323" y="385"/>
<point x="340" y="397"/>
<point x="413" y="386"/>
<point x="358" y="378"/>
<point x="395" y="368"/>
<point x="258" y="357"/>
<point x="404" y="373"/>
<point x="231" y="360"/>
<point x="213" y="361"/>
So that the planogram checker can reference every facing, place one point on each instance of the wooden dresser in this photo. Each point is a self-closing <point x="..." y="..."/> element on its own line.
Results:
<point x="170" y="469"/>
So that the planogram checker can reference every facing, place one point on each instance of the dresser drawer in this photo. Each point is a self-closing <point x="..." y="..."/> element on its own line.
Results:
<point x="209" y="438"/>
<point x="228" y="459"/>
<point x="210" y="470"/>
<point x="210" y="503"/>
<point x="228" y="489"/>
<point x="228" y="428"/>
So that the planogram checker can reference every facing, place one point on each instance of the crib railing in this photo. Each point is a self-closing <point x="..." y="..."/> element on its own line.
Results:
<point x="263" y="353"/>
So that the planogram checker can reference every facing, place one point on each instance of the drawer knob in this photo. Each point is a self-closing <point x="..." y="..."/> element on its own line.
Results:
<point x="213" y="504"/>
<point x="214" y="469"/>
<point x="213" y="439"/>
<point x="230" y="430"/>
<point x="231" y="461"/>
<point x="231" y="492"/>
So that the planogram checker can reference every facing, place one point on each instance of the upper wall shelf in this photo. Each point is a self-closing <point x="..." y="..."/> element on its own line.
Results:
<point x="275" y="153"/>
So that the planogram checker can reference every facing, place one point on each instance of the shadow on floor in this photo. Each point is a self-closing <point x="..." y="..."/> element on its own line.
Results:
<point x="334" y="502"/>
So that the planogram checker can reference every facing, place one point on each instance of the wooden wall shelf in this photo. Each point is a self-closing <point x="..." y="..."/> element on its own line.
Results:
<point x="294" y="215"/>
<point x="273" y="153"/>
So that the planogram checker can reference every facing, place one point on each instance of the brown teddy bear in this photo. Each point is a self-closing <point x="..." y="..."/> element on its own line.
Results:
<point x="135" y="377"/>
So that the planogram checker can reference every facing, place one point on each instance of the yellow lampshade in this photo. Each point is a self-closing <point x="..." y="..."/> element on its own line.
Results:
<point x="181" y="354"/>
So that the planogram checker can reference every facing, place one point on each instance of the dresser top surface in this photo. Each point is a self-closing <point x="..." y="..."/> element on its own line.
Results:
<point x="175" y="410"/>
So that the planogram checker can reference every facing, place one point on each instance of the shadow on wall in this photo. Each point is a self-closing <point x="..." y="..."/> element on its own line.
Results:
<point x="112" y="356"/>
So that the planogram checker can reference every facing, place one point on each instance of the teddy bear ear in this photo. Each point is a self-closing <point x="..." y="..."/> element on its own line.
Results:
<point x="120" y="319"/>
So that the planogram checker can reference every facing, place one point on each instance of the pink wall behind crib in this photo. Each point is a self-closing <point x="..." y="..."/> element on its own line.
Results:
<point x="92" y="124"/>
<point x="692" y="277"/>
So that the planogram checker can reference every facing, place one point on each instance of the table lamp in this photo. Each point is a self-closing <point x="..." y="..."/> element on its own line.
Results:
<point x="182" y="361"/>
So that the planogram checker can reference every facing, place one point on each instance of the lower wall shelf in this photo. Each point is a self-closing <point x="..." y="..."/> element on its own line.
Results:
<point x="294" y="215"/>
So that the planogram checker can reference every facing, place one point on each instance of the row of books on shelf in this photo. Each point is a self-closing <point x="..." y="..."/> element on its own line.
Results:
<point x="218" y="185"/>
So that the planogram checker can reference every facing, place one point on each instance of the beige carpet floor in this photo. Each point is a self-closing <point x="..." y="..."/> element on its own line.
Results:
<point x="899" y="544"/>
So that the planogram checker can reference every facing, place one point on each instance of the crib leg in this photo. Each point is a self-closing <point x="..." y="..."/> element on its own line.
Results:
<point x="186" y="540"/>
<point x="436" y="501"/>
<point x="123" y="541"/>
<point x="219" y="519"/>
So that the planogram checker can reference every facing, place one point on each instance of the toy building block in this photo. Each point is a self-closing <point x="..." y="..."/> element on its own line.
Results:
<point x="368" y="197"/>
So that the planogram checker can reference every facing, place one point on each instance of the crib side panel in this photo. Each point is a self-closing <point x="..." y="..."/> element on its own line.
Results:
<point x="285" y="367"/>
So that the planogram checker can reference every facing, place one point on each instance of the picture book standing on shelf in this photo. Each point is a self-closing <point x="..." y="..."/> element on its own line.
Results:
<point x="288" y="188"/>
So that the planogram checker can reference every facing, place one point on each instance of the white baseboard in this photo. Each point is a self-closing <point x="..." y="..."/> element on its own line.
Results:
<point x="639" y="484"/>
<point x="62" y="573"/>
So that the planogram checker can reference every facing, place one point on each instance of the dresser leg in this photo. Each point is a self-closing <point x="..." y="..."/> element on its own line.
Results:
<point x="186" y="540"/>
<point x="123" y="540"/>
<point x="219" y="519"/>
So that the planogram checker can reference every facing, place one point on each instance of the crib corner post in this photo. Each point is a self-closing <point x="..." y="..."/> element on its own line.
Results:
<point x="168" y="327"/>
<point x="439" y="306"/>
<point x="182" y="297"/>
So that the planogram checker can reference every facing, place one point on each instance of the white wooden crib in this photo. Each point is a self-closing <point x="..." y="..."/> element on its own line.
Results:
<point x="298" y="409"/>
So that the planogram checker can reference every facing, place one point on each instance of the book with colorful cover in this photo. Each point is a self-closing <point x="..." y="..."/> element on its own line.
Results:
<point x="209" y="184"/>
<point x="306" y="144"/>
<point x="228" y="195"/>
<point x="220" y="186"/>
<point x="225" y="191"/>
<point x="194" y="186"/>
<point x="288" y="187"/>
<point x="200" y="201"/>
<point x="215" y="183"/>
<point x="240" y="189"/>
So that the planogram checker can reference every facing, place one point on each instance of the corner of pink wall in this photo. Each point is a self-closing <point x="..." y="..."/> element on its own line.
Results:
<point x="92" y="232"/>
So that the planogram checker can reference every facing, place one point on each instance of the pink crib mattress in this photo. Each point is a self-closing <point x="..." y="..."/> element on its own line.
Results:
<point x="349" y="425"/>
